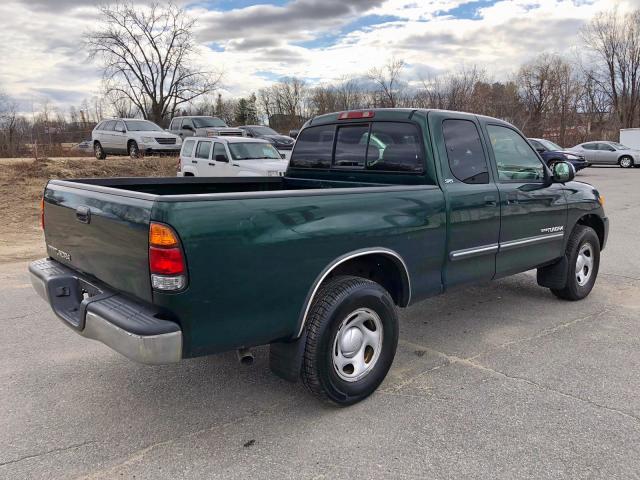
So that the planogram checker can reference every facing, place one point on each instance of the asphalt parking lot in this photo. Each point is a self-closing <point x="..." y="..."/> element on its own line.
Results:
<point x="496" y="381"/>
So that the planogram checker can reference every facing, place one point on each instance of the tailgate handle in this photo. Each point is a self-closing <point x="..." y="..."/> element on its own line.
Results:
<point x="83" y="214"/>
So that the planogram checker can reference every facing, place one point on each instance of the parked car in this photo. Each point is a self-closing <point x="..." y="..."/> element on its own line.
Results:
<point x="83" y="145"/>
<point x="282" y="142"/>
<point x="133" y="137"/>
<point x="230" y="157"/>
<point x="608" y="153"/>
<point x="553" y="153"/>
<point x="315" y="263"/>
<point x="202" y="126"/>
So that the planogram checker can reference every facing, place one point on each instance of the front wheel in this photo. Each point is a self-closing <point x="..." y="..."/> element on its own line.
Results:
<point x="626" y="162"/>
<point x="98" y="151"/>
<point x="583" y="256"/>
<point x="134" y="151"/>
<point x="352" y="335"/>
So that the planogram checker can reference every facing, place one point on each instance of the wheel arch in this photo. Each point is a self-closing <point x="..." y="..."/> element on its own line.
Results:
<point x="594" y="221"/>
<point x="381" y="265"/>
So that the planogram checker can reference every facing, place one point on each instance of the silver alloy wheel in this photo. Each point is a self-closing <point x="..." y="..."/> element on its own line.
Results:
<point x="357" y="345"/>
<point x="626" y="162"/>
<point x="584" y="264"/>
<point x="98" y="151"/>
<point x="133" y="150"/>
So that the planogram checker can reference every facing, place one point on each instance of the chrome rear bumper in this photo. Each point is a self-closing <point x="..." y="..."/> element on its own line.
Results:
<point x="131" y="328"/>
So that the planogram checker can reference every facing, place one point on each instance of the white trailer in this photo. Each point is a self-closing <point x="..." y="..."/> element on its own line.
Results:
<point x="630" y="137"/>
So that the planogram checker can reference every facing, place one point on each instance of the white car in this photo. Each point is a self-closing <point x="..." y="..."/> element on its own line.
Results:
<point x="230" y="157"/>
<point x="133" y="137"/>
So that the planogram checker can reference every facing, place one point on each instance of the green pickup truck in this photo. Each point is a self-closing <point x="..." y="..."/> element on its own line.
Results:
<point x="378" y="209"/>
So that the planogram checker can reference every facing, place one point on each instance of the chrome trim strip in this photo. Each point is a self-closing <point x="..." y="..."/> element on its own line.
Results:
<point x="473" y="252"/>
<point x="529" y="240"/>
<point x="341" y="260"/>
<point x="149" y="349"/>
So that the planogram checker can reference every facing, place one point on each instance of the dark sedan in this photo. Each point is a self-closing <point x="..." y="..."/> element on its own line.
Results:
<point x="552" y="153"/>
<point x="281" y="142"/>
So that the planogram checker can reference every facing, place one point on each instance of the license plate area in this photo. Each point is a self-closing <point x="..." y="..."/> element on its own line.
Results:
<point x="70" y="296"/>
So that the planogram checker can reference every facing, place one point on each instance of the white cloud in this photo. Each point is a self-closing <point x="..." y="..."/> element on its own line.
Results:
<point x="42" y="56"/>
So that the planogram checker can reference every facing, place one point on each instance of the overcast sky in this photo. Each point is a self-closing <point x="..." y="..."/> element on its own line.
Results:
<point x="257" y="42"/>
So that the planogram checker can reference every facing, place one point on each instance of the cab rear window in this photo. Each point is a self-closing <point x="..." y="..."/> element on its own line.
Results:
<point x="380" y="146"/>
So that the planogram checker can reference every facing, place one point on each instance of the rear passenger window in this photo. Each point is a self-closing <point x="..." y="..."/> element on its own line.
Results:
<point x="464" y="151"/>
<point x="203" y="150"/>
<point x="314" y="147"/>
<point x="351" y="146"/>
<point x="187" y="148"/>
<point x="109" y="125"/>
<point x="394" y="147"/>
<point x="590" y="146"/>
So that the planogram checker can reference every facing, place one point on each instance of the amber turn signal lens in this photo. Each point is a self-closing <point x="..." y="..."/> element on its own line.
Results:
<point x="162" y="236"/>
<point x="601" y="200"/>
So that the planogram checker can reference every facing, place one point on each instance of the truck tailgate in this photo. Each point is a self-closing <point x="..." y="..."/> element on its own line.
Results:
<point x="103" y="235"/>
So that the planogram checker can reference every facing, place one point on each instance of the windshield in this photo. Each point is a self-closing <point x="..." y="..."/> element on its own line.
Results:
<point x="142" y="126"/>
<point x="253" y="151"/>
<point x="264" y="131"/>
<point x="204" y="122"/>
<point x="549" y="145"/>
<point x="619" y="146"/>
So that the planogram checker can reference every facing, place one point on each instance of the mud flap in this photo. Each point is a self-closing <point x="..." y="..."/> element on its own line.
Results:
<point x="285" y="358"/>
<point x="554" y="275"/>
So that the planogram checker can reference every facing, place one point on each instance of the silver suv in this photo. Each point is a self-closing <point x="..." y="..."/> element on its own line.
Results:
<point x="133" y="137"/>
<point x="203" y="126"/>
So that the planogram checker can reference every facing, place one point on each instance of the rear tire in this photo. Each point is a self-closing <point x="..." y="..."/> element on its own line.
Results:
<point x="626" y="162"/>
<point x="134" y="151"/>
<point x="98" y="151"/>
<point x="583" y="258"/>
<point x="352" y="335"/>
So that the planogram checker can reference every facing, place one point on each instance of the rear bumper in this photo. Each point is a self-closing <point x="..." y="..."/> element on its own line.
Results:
<point x="134" y="329"/>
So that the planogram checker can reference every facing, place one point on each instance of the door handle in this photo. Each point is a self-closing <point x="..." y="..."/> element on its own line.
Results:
<point x="212" y="164"/>
<point x="83" y="214"/>
<point x="490" y="201"/>
<point x="194" y="161"/>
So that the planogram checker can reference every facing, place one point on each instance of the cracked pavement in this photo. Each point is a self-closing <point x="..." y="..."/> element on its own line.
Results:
<point x="500" y="380"/>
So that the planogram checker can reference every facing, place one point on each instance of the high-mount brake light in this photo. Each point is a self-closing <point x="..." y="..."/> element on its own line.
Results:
<point x="166" y="260"/>
<point x="356" y="114"/>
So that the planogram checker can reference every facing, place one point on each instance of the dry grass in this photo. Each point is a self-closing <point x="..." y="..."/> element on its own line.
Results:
<point x="22" y="183"/>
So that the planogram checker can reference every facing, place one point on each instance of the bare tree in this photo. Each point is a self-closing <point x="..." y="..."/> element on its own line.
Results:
<point x="146" y="54"/>
<point x="614" y="38"/>
<point x="387" y="78"/>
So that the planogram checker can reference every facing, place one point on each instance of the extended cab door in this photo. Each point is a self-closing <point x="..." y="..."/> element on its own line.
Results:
<point x="221" y="162"/>
<point x="119" y="137"/>
<point x="533" y="212"/>
<point x="202" y="158"/>
<point x="473" y="213"/>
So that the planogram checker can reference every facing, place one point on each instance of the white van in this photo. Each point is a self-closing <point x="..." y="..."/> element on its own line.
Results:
<point x="230" y="157"/>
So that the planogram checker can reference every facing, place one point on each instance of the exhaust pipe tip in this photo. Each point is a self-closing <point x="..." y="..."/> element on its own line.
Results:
<point x="245" y="356"/>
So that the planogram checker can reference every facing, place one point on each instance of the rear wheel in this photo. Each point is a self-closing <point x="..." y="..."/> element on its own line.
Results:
<point x="352" y="335"/>
<point x="134" y="151"/>
<point x="626" y="162"/>
<point x="98" y="151"/>
<point x="583" y="256"/>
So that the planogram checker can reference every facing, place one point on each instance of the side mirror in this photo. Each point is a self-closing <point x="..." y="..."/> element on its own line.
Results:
<point x="283" y="156"/>
<point x="293" y="133"/>
<point x="222" y="158"/>
<point x="540" y="150"/>
<point x="563" y="172"/>
<point x="187" y="127"/>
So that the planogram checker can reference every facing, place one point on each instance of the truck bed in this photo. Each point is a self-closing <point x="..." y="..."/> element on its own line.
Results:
<point x="163" y="186"/>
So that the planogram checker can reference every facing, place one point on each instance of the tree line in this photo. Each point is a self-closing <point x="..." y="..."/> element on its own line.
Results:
<point x="149" y="71"/>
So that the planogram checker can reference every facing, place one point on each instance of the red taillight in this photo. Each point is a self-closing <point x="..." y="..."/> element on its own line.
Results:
<point x="166" y="261"/>
<point x="358" y="114"/>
